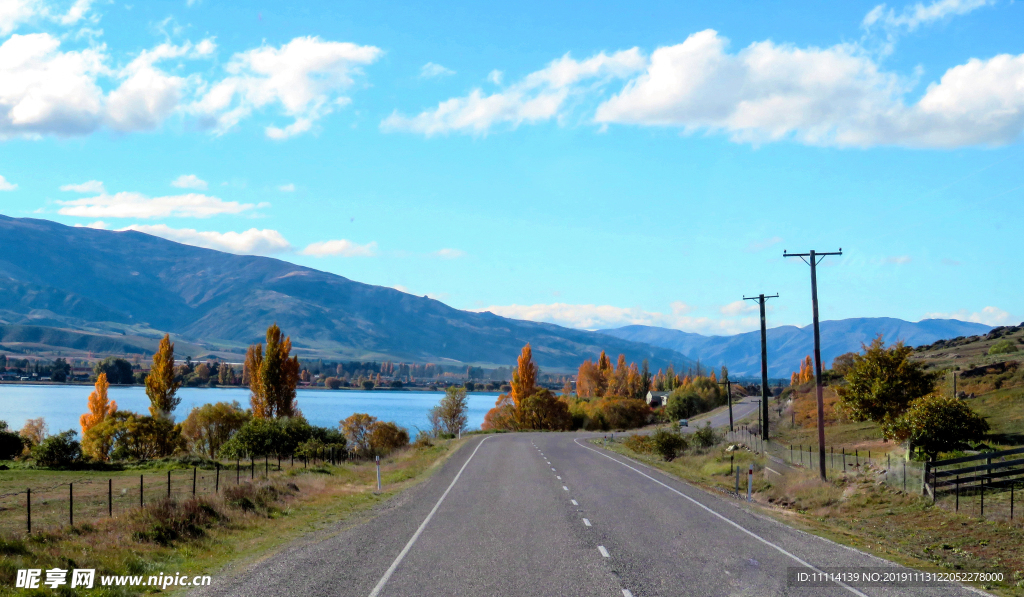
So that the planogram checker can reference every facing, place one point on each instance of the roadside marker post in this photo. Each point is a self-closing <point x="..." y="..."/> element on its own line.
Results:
<point x="377" y="459"/>
<point x="750" y="481"/>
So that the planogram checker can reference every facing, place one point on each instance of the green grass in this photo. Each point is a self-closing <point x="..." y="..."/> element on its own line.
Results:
<point x="133" y="542"/>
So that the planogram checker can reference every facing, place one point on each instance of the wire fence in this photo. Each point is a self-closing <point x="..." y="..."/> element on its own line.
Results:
<point x="89" y="497"/>
<point x="999" y="500"/>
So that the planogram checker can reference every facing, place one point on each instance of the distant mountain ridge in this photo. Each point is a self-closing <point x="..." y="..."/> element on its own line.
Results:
<point x="105" y="290"/>
<point x="787" y="345"/>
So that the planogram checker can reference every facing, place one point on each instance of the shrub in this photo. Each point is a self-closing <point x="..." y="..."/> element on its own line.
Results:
<point x="368" y="385"/>
<point x="1004" y="346"/>
<point x="422" y="440"/>
<point x="705" y="437"/>
<point x="333" y="383"/>
<point x="167" y="521"/>
<point x="668" y="444"/>
<point x="938" y="424"/>
<point x="257" y="437"/>
<point x="10" y="443"/>
<point x="58" y="450"/>
<point x="387" y="437"/>
<point x="641" y="444"/>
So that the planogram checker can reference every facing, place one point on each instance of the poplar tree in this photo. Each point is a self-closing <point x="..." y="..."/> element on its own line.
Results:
<point x="273" y="376"/>
<point x="161" y="387"/>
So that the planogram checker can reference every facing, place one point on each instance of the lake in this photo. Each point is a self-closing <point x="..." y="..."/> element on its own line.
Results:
<point x="62" y="405"/>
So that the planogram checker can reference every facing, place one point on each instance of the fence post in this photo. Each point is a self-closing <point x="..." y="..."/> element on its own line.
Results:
<point x="71" y="504"/>
<point x="856" y="458"/>
<point x="141" y="491"/>
<point x="110" y="497"/>
<point x="832" y="457"/>
<point x="737" y="481"/>
<point x="983" y="498"/>
<point x="28" y="508"/>
<point x="278" y="461"/>
<point x="791" y="452"/>
<point x="731" y="459"/>
<point x="216" y="487"/>
<point x="904" y="475"/>
<point x="252" y="469"/>
<point x="958" y="493"/>
<point x="1011" y="500"/>
<point x="195" y="471"/>
<point x="377" y="458"/>
<point x="266" y="465"/>
<point x="168" y="484"/>
<point x="924" y="478"/>
<point x="844" y="460"/>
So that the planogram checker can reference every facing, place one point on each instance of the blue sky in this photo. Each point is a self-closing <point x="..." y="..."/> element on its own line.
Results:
<point x="589" y="164"/>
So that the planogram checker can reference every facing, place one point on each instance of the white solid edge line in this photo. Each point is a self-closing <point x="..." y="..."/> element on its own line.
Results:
<point x="603" y="551"/>
<point x="738" y="526"/>
<point x="405" y="550"/>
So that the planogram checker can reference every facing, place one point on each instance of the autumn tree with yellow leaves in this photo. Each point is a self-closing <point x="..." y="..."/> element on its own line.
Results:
<point x="161" y="386"/>
<point x="805" y="374"/>
<point x="526" y="406"/>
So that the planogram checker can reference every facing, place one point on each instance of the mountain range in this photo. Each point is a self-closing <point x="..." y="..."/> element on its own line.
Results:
<point x="788" y="345"/>
<point x="79" y="288"/>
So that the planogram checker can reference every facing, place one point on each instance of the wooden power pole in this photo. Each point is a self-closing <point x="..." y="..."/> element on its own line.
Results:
<point x="761" y="298"/>
<point x="813" y="259"/>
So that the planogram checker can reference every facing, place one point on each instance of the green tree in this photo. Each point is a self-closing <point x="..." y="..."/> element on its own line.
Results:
<point x="257" y="437"/>
<point x="210" y="426"/>
<point x="118" y="371"/>
<point x="11" y="443"/>
<point x="58" y="450"/>
<point x="882" y="383"/>
<point x="60" y="370"/>
<point x="452" y="410"/>
<point x="161" y="385"/>
<point x="1004" y="346"/>
<point x="938" y="424"/>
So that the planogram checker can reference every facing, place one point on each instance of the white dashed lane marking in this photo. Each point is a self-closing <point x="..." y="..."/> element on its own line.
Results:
<point x="574" y="503"/>
<point x="587" y="522"/>
<point x="557" y="477"/>
<point x="626" y="593"/>
<point x="565" y="488"/>
<point x="603" y="551"/>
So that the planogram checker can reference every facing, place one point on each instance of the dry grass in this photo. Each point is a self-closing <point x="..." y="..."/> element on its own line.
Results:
<point x="212" y="533"/>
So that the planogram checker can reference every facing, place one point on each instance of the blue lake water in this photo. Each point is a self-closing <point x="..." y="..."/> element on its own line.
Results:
<point x="62" y="405"/>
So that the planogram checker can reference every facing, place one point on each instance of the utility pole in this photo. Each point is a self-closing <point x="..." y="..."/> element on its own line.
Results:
<point x="761" y="298"/>
<point x="813" y="259"/>
<point x="728" y="389"/>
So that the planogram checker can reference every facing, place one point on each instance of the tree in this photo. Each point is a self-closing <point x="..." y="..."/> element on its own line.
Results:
<point x="452" y="410"/>
<point x="34" y="431"/>
<point x="357" y="429"/>
<point x="387" y="437"/>
<point x="883" y="382"/>
<point x="60" y="370"/>
<point x="843" y="364"/>
<point x="210" y="426"/>
<point x="225" y="375"/>
<point x="161" y="386"/>
<point x="645" y="378"/>
<point x="938" y="424"/>
<point x="273" y="376"/>
<point x="100" y="407"/>
<point x="524" y="378"/>
<point x="333" y="383"/>
<point x="58" y="450"/>
<point x="118" y="371"/>
<point x="11" y="443"/>
<point x="1004" y="346"/>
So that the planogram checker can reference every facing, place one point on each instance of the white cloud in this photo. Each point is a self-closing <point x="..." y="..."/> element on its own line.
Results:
<point x="189" y="181"/>
<point x="592" y="317"/>
<point x="91" y="186"/>
<point x="340" y="248"/>
<point x="914" y="16"/>
<point x="97" y="225"/>
<point x="137" y="205"/>
<point x="287" y="188"/>
<point x="760" y="245"/>
<point x="431" y="70"/>
<point x="75" y="13"/>
<point x="13" y="13"/>
<point x="989" y="316"/>
<point x="148" y="95"/>
<point x="250" y="242"/>
<point x="495" y="76"/>
<point x="833" y="96"/>
<point x="450" y="253"/>
<point x="898" y="259"/>
<point x="46" y="91"/>
<point x="736" y="308"/>
<point x="305" y="77"/>
<point x="540" y="96"/>
<point x="5" y="185"/>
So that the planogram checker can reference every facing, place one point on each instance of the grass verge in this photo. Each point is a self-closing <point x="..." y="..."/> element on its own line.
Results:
<point x="216" y="534"/>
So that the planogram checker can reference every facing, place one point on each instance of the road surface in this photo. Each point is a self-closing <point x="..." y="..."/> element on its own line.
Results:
<point x="538" y="514"/>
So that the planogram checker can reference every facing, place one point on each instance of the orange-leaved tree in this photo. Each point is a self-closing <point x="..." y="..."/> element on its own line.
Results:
<point x="100" y="407"/>
<point x="524" y="407"/>
<point x="161" y="386"/>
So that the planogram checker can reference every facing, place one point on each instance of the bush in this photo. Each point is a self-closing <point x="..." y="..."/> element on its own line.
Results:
<point x="1004" y="346"/>
<point x="167" y="521"/>
<point x="11" y="444"/>
<point x="641" y="444"/>
<point x="333" y="383"/>
<point x="368" y="385"/>
<point x="705" y="437"/>
<point x="610" y="412"/>
<point x="938" y="424"/>
<point x="668" y="444"/>
<point x="387" y="437"/>
<point x="58" y="450"/>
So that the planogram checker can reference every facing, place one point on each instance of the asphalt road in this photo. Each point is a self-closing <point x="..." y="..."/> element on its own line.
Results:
<point x="551" y="514"/>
